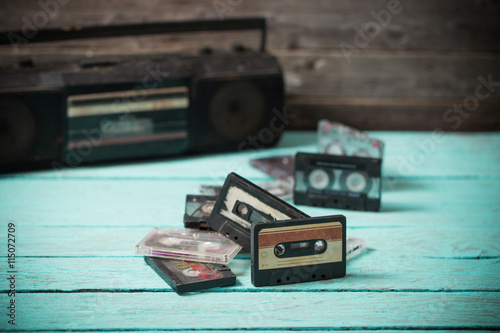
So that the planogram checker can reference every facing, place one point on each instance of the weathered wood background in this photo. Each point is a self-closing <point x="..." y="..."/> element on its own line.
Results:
<point x="406" y="76"/>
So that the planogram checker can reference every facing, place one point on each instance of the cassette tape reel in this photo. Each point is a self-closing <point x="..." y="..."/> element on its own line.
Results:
<point x="299" y="250"/>
<point x="344" y="182"/>
<point x="241" y="203"/>
<point x="338" y="139"/>
<point x="198" y="209"/>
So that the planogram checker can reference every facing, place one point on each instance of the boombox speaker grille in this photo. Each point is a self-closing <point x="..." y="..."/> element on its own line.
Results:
<point x="227" y="112"/>
<point x="17" y="130"/>
<point x="237" y="110"/>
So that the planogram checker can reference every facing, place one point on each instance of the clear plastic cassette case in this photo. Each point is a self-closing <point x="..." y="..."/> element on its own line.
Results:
<point x="187" y="244"/>
<point x="354" y="246"/>
<point x="339" y="139"/>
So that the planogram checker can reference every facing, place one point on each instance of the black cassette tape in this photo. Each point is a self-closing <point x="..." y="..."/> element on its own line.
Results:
<point x="198" y="209"/>
<point x="300" y="250"/>
<point x="241" y="203"/>
<point x="184" y="276"/>
<point x="345" y="182"/>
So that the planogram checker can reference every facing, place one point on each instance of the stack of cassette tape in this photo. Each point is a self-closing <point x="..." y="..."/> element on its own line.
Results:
<point x="345" y="174"/>
<point x="286" y="245"/>
<point x="189" y="259"/>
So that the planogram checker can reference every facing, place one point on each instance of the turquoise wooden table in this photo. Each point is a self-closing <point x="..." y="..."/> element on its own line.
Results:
<point x="433" y="258"/>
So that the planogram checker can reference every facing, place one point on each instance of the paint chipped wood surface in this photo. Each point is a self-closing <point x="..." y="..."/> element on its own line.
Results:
<point x="432" y="261"/>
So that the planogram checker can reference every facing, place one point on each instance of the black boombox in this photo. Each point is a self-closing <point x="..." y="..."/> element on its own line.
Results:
<point x="122" y="108"/>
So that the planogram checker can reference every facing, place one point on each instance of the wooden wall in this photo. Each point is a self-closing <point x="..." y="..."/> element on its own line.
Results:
<point x="426" y="57"/>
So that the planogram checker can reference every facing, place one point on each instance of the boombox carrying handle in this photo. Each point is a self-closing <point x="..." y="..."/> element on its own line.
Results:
<point x="78" y="32"/>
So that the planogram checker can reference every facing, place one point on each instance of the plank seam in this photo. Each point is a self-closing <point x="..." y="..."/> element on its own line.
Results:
<point x="295" y="329"/>
<point x="259" y="290"/>
<point x="387" y="178"/>
<point x="247" y="257"/>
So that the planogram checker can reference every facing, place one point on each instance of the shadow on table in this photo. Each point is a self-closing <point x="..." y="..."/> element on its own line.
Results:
<point x="391" y="184"/>
<point x="387" y="207"/>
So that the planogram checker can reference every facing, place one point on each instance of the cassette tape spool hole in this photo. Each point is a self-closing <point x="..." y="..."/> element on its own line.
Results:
<point x="207" y="208"/>
<point x="319" y="246"/>
<point x="319" y="179"/>
<point x="279" y="250"/>
<point x="190" y="272"/>
<point x="249" y="213"/>
<point x="354" y="181"/>
<point x="335" y="148"/>
<point x="242" y="209"/>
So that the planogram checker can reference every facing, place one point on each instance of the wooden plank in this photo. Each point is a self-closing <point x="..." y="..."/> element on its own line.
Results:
<point x="358" y="310"/>
<point x="381" y="91"/>
<point x="431" y="240"/>
<point x="390" y="92"/>
<point x="77" y="270"/>
<point x="427" y="70"/>
<point x="276" y="331"/>
<point x="84" y="202"/>
<point x="297" y="330"/>
<point x="371" y="271"/>
<point x="427" y="25"/>
<point x="406" y="79"/>
<point x="390" y="115"/>
<point x="407" y="156"/>
<point x="151" y="203"/>
<point x="379" y="76"/>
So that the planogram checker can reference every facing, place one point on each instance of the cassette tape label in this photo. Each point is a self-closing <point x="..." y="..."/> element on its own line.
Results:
<point x="298" y="250"/>
<point x="192" y="270"/>
<point x="242" y="203"/>
<point x="185" y="275"/>
<point x="300" y="245"/>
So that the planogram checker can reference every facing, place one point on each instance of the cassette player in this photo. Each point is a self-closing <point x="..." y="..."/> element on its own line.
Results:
<point x="345" y="182"/>
<point x="299" y="250"/>
<point x="242" y="203"/>
<point x="64" y="112"/>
